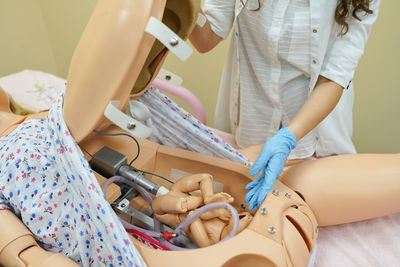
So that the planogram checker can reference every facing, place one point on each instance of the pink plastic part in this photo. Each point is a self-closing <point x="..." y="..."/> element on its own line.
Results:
<point x="146" y="239"/>
<point x="186" y="95"/>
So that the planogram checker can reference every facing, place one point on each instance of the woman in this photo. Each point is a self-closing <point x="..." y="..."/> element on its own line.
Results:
<point x="288" y="66"/>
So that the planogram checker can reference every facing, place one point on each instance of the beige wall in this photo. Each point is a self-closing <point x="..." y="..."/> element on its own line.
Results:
<point x="42" y="34"/>
<point x="24" y="39"/>
<point x="201" y="74"/>
<point x="377" y="87"/>
<point x="65" y="21"/>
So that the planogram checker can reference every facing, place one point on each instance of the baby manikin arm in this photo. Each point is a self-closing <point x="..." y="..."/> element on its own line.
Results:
<point x="18" y="248"/>
<point x="348" y="188"/>
<point x="204" y="183"/>
<point x="177" y="201"/>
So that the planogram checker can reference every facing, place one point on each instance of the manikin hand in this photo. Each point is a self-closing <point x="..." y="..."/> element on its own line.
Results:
<point x="270" y="162"/>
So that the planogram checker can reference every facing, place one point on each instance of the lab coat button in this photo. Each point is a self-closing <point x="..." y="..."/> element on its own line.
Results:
<point x="314" y="61"/>
<point x="314" y="30"/>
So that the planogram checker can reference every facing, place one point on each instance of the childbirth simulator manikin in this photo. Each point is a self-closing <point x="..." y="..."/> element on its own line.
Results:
<point x="51" y="197"/>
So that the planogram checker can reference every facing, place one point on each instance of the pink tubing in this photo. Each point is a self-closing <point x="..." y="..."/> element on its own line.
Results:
<point x="157" y="234"/>
<point x="186" y="95"/>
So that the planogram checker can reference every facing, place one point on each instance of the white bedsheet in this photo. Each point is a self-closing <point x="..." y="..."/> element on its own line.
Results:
<point x="371" y="243"/>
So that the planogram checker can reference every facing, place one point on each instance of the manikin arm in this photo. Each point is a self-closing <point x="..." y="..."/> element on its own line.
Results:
<point x="102" y="67"/>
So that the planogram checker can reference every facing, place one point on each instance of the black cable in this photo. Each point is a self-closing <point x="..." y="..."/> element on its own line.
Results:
<point x="138" y="148"/>
<point x="138" y="170"/>
<point x="123" y="134"/>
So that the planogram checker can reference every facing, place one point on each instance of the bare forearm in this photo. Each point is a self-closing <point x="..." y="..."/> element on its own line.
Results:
<point x="203" y="38"/>
<point x="321" y="102"/>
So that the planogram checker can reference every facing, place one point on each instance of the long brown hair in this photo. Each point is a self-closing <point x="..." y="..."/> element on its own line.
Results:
<point x="342" y="11"/>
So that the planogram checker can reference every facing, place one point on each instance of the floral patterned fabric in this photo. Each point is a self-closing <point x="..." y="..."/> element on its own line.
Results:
<point x="46" y="180"/>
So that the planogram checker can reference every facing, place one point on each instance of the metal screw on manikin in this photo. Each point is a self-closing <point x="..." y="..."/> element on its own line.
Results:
<point x="174" y="41"/>
<point x="131" y="126"/>
<point x="271" y="230"/>
<point x="264" y="211"/>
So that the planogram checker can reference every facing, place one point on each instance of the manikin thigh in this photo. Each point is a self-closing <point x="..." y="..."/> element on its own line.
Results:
<point x="348" y="188"/>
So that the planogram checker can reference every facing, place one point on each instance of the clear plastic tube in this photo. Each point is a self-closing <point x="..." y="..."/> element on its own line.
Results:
<point x="208" y="207"/>
<point x="197" y="213"/>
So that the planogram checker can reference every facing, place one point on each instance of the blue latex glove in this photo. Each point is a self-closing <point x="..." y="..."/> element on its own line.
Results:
<point x="271" y="162"/>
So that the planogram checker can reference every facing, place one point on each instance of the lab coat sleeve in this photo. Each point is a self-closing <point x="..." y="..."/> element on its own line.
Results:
<point x="342" y="57"/>
<point x="220" y="14"/>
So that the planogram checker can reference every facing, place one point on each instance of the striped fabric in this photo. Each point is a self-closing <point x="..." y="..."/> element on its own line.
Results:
<point x="274" y="60"/>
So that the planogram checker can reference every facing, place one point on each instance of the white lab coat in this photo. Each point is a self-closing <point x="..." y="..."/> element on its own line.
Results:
<point x="332" y="56"/>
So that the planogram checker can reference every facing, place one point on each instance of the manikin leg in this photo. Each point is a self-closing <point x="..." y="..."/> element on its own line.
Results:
<point x="348" y="188"/>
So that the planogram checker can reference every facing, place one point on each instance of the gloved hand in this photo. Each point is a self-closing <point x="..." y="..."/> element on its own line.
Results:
<point x="271" y="162"/>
